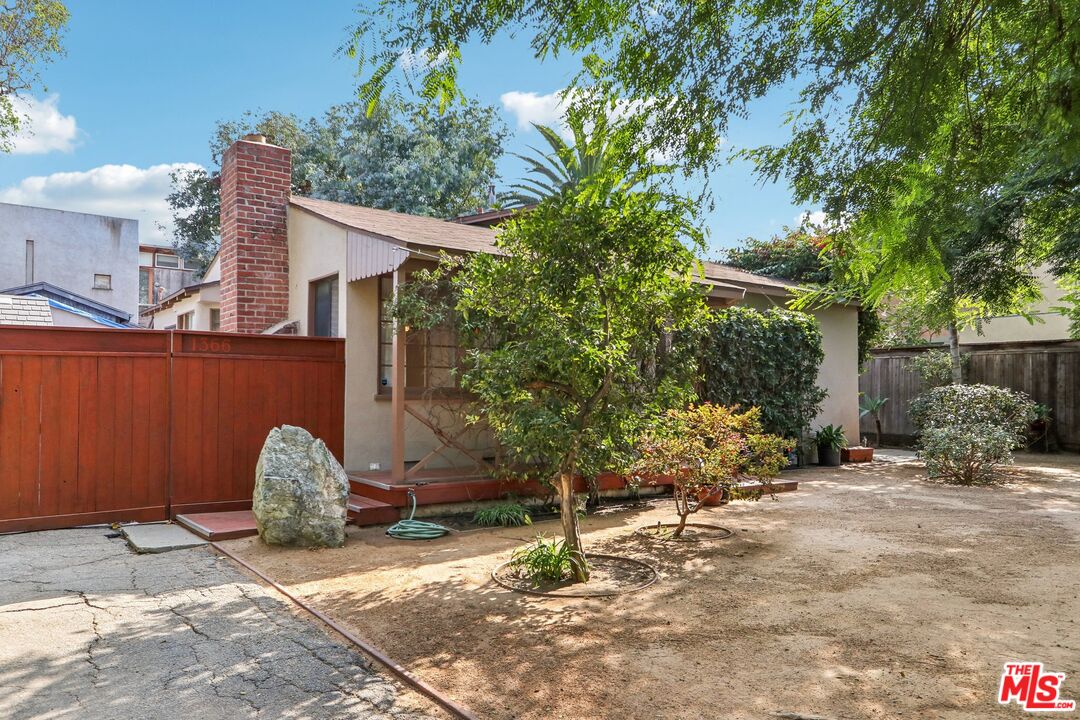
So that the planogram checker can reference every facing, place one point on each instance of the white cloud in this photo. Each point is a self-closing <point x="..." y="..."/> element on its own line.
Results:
<point x="118" y="190"/>
<point x="42" y="127"/>
<point x="815" y="217"/>
<point x="412" y="62"/>
<point x="528" y="108"/>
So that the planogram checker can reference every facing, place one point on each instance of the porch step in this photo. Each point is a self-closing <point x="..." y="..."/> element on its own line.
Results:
<point x="220" y="525"/>
<point x="365" y="511"/>
<point x="361" y="511"/>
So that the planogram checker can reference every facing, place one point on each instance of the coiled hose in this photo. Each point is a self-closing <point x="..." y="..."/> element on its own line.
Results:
<point x="415" y="529"/>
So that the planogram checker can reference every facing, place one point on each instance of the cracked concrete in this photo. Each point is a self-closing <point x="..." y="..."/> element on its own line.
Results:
<point x="91" y="630"/>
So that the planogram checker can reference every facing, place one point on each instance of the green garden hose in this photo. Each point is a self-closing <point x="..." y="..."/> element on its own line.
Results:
<point x="415" y="529"/>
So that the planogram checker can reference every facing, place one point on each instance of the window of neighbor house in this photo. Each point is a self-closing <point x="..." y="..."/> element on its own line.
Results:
<point x="102" y="282"/>
<point x="164" y="260"/>
<point x="322" y="304"/>
<point x="186" y="321"/>
<point x="144" y="286"/>
<point x="146" y="258"/>
<point x="215" y="319"/>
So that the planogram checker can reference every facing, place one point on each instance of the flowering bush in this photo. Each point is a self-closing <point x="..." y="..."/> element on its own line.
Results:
<point x="707" y="449"/>
<point x="966" y="431"/>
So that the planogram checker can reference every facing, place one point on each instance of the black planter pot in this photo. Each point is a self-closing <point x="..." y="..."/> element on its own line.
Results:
<point x="828" y="456"/>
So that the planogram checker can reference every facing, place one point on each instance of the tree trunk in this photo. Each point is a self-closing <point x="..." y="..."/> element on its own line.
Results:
<point x="682" y="526"/>
<point x="571" y="530"/>
<point x="594" y="492"/>
<point x="954" y="352"/>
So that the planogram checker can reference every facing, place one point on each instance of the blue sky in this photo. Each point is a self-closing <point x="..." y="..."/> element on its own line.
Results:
<point x="143" y="83"/>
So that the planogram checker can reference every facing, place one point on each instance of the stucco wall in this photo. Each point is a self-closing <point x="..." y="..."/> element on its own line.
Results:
<point x="316" y="250"/>
<point x="69" y="248"/>
<point x="201" y="302"/>
<point x="839" y="373"/>
<point x="1050" y="324"/>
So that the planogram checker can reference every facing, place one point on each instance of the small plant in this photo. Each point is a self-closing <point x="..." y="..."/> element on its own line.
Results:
<point x="966" y="431"/>
<point x="831" y="436"/>
<point x="873" y="406"/>
<point x="707" y="449"/>
<point x="544" y="561"/>
<point x="507" y="514"/>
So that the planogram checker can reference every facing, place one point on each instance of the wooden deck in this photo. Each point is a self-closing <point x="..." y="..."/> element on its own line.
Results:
<point x="440" y="486"/>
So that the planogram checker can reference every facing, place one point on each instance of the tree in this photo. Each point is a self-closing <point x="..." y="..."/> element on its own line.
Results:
<point x="582" y="329"/>
<point x="402" y="158"/>
<point x="30" y="34"/>
<point x="915" y="119"/>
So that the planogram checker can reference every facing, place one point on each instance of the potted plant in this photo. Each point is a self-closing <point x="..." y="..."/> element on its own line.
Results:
<point x="829" y="441"/>
<point x="873" y="406"/>
<point x="1039" y="429"/>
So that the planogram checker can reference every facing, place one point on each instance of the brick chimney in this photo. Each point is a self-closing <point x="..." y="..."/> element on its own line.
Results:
<point x="256" y="178"/>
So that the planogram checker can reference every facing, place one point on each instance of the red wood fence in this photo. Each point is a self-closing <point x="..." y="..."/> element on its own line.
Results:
<point x="111" y="425"/>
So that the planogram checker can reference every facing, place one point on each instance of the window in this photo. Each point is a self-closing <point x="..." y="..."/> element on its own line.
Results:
<point x="322" y="307"/>
<point x="185" y="321"/>
<point x="166" y="260"/>
<point x="146" y="259"/>
<point x="215" y="319"/>
<point x="431" y="356"/>
<point x="29" y="262"/>
<point x="102" y="282"/>
<point x="386" y="332"/>
<point x="144" y="286"/>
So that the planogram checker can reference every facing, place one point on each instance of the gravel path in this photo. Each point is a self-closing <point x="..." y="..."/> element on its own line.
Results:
<point x="89" y="629"/>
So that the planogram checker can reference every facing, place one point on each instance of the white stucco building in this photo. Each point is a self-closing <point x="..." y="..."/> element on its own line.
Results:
<point x="93" y="256"/>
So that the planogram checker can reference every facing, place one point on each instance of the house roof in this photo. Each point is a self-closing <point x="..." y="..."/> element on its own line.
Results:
<point x="459" y="235"/>
<point x="751" y="281"/>
<point x="74" y="300"/>
<point x="19" y="310"/>
<point x="186" y="291"/>
<point x="402" y="228"/>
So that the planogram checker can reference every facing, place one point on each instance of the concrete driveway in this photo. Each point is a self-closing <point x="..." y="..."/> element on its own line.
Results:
<point x="89" y="629"/>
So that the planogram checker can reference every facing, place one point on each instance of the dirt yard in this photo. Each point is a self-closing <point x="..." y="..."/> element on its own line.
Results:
<point x="869" y="593"/>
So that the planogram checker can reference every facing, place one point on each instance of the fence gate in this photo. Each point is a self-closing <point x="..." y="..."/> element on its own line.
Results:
<point x="137" y="425"/>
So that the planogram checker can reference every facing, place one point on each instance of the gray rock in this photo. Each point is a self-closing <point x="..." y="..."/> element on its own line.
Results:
<point x="301" y="491"/>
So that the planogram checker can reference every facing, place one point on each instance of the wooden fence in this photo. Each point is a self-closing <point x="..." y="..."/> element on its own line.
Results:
<point x="1047" y="371"/>
<point x="111" y="425"/>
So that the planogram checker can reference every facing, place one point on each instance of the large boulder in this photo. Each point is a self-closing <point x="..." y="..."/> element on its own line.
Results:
<point x="301" y="491"/>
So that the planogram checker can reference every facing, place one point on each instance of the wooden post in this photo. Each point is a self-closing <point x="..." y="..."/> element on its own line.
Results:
<point x="397" y="397"/>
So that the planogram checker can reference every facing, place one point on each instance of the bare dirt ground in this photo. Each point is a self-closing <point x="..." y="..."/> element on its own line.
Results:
<point x="869" y="593"/>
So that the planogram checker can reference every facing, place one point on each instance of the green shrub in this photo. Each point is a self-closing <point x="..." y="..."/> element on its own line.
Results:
<point x="544" y="561"/>
<point x="966" y="454"/>
<point x="767" y="360"/>
<point x="969" y="405"/>
<point x="508" y="514"/>
<point x="935" y="367"/>
<point x="966" y="431"/>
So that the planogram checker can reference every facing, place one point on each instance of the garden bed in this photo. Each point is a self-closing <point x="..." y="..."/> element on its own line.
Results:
<point x="871" y="590"/>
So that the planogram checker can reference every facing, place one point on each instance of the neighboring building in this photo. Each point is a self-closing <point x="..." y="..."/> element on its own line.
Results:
<point x="314" y="267"/>
<point x="72" y="310"/>
<point x="161" y="274"/>
<point x="196" y="306"/>
<point x="90" y="256"/>
<point x="1049" y="323"/>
